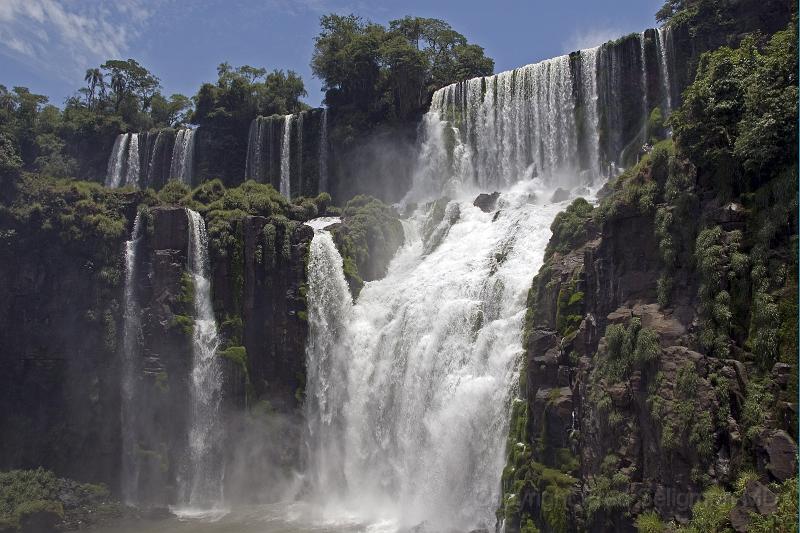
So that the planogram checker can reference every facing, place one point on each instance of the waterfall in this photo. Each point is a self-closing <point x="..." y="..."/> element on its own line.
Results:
<point x="286" y="160"/>
<point x="253" y="163"/>
<point x="643" y="81"/>
<point x="323" y="152"/>
<point x="203" y="485"/>
<point x="130" y="343"/>
<point x="489" y="133"/>
<point x="132" y="173"/>
<point x="663" y="35"/>
<point x="408" y="389"/>
<point x="183" y="156"/>
<point x="610" y="91"/>
<point x="329" y="310"/>
<point x="590" y="112"/>
<point x="116" y="161"/>
<point x="299" y="170"/>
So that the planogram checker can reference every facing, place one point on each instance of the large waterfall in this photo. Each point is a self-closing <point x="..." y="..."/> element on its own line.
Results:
<point x="202" y="484"/>
<point x="150" y="159"/>
<point x="408" y="389"/>
<point x="130" y="343"/>
<point x="569" y="121"/>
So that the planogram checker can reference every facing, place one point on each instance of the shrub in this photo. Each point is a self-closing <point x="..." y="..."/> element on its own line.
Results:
<point x="569" y="228"/>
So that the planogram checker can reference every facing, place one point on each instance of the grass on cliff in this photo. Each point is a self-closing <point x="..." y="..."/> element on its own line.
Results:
<point x="24" y="493"/>
<point x="367" y="239"/>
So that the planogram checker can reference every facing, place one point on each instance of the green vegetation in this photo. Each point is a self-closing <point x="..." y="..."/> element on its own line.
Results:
<point x="628" y="348"/>
<point x="25" y="493"/>
<point x="569" y="228"/>
<point x="373" y="74"/>
<point x="367" y="239"/>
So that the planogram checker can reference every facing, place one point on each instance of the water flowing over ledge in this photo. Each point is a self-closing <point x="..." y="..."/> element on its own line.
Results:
<point x="567" y="120"/>
<point x="150" y="159"/>
<point x="408" y="389"/>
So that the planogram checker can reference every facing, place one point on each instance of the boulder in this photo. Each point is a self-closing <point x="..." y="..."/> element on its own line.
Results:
<point x="486" y="202"/>
<point x="756" y="498"/>
<point x="780" y="452"/>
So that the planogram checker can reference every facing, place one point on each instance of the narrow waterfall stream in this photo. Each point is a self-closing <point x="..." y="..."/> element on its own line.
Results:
<point x="286" y="158"/>
<point x="131" y="332"/>
<point x="183" y="156"/>
<point x="202" y="485"/>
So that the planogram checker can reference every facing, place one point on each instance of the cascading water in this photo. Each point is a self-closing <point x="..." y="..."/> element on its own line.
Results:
<point x="130" y="343"/>
<point x="323" y="152"/>
<point x="489" y="133"/>
<point x="663" y="35"/>
<point x="408" y="389"/>
<point x="299" y="170"/>
<point x="286" y="159"/>
<point x="591" y="120"/>
<point x="116" y="161"/>
<point x="132" y="173"/>
<point x="643" y="81"/>
<point x="183" y="156"/>
<point x="202" y="485"/>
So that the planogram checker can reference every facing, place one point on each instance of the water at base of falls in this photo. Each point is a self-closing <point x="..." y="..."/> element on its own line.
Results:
<point x="408" y="389"/>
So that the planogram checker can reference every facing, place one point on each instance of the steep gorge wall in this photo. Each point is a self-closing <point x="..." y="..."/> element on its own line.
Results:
<point x="623" y="409"/>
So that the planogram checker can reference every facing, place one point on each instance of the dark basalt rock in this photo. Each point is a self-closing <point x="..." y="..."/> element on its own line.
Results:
<point x="756" y="499"/>
<point x="778" y="452"/>
<point x="486" y="202"/>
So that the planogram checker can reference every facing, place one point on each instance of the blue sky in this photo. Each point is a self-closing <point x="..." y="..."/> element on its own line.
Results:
<point x="47" y="45"/>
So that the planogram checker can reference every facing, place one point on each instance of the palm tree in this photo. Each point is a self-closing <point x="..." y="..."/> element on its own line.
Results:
<point x="118" y="86"/>
<point x="94" y="78"/>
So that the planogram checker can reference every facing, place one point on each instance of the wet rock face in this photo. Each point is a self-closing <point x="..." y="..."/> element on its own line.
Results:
<point x="658" y="428"/>
<point x="486" y="202"/>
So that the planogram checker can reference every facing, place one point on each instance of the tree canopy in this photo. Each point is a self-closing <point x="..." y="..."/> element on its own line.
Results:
<point x="391" y="72"/>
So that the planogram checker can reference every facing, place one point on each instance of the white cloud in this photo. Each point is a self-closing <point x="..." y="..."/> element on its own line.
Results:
<point x="580" y="40"/>
<point x="66" y="37"/>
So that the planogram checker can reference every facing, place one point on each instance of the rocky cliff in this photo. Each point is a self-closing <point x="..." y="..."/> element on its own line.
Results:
<point x="628" y="412"/>
<point x="63" y="294"/>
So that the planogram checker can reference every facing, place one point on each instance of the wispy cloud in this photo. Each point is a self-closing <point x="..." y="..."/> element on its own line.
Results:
<point x="319" y="7"/>
<point x="580" y="40"/>
<point x="64" y="38"/>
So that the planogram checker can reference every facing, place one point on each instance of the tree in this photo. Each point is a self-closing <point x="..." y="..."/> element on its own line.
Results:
<point x="390" y="73"/>
<point x="129" y="78"/>
<point x="170" y="112"/>
<point x="94" y="78"/>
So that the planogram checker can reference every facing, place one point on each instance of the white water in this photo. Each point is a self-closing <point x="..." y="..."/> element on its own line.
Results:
<point x="130" y="340"/>
<point x="116" y="161"/>
<point x="323" y="152"/>
<point x="408" y="389"/>
<point x="591" y="115"/>
<point x="286" y="160"/>
<point x="643" y="67"/>
<point x="299" y="171"/>
<point x="486" y="134"/>
<point x="664" y="35"/>
<point x="183" y="156"/>
<point x="132" y="173"/>
<point x="202" y="485"/>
